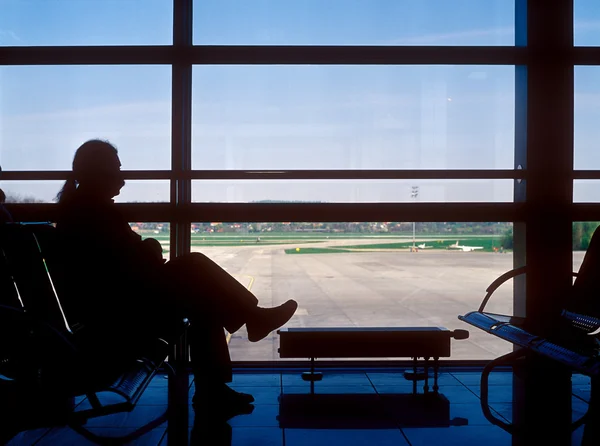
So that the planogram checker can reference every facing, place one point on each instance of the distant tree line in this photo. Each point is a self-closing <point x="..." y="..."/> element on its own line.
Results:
<point x="18" y="198"/>
<point x="582" y="234"/>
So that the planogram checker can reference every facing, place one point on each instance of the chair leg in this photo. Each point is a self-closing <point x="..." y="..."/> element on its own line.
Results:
<point x="177" y="429"/>
<point x="485" y="407"/>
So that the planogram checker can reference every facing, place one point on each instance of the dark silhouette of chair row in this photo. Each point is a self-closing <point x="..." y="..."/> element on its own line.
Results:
<point x="44" y="364"/>
<point x="570" y="345"/>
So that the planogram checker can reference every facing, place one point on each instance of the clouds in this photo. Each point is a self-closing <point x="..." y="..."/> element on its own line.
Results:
<point x="9" y="37"/>
<point x="484" y="36"/>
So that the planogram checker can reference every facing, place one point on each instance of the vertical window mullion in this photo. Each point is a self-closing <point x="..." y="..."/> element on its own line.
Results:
<point x="181" y="124"/>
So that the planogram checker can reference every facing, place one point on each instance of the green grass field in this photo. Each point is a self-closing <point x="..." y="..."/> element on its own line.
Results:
<point x="380" y="241"/>
<point x="488" y="244"/>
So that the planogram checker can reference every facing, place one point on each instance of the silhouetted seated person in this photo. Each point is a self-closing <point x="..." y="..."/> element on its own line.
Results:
<point x="5" y="216"/>
<point x="154" y="249"/>
<point x="123" y="293"/>
<point x="586" y="287"/>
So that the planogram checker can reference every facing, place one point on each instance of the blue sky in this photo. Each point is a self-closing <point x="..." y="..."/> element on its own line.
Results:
<point x="280" y="117"/>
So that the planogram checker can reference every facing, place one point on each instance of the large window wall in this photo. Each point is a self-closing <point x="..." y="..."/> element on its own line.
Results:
<point x="392" y="123"/>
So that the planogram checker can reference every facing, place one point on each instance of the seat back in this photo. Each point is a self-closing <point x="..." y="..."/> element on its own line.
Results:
<point x="35" y="338"/>
<point x="26" y="266"/>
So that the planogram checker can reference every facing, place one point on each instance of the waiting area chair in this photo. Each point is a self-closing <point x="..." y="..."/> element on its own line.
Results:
<point x="43" y="358"/>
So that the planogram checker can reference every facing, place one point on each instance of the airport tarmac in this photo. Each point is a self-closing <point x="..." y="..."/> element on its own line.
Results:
<point x="384" y="288"/>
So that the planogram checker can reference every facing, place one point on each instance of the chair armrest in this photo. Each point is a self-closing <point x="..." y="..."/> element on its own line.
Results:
<point x="500" y="280"/>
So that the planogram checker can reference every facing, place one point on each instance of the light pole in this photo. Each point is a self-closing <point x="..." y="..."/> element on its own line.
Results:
<point x="414" y="194"/>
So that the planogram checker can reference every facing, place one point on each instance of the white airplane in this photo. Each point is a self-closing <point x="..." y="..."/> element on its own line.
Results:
<point x="463" y="247"/>
<point x="423" y="246"/>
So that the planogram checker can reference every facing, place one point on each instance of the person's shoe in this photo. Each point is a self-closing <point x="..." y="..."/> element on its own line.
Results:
<point x="221" y="403"/>
<point x="264" y="320"/>
<point x="216" y="412"/>
<point x="222" y="395"/>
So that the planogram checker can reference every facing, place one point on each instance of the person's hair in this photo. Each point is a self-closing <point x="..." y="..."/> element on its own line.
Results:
<point x="87" y="158"/>
<point x="2" y="196"/>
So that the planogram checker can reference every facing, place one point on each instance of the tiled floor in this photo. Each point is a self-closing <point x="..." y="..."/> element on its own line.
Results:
<point x="351" y="408"/>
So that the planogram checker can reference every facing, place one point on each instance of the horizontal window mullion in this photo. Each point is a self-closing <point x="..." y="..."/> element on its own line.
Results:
<point x="362" y="55"/>
<point x="37" y="175"/>
<point x="354" y="174"/>
<point x="335" y="212"/>
<point x="586" y="174"/>
<point x="586" y="212"/>
<point x="278" y="212"/>
<point x="91" y="55"/>
<point x="586" y="55"/>
<point x="240" y="54"/>
<point x="287" y="174"/>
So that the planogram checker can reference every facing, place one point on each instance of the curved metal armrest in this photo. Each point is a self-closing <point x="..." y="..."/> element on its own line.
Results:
<point x="500" y="280"/>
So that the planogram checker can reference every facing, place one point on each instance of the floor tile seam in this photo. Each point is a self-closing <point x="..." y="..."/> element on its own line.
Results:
<point x="500" y="415"/>
<point x="57" y="428"/>
<point x="372" y="384"/>
<point x="164" y="436"/>
<point x="580" y="398"/>
<point x="42" y="436"/>
<point x="405" y="436"/>
<point x="469" y="389"/>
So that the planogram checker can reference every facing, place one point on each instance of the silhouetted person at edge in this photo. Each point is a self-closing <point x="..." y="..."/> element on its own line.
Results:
<point x="5" y="216"/>
<point x="123" y="293"/>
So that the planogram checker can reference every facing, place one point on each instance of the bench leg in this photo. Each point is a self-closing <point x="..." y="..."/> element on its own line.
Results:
<point x="436" y="368"/>
<point x="426" y="367"/>
<point x="312" y="376"/>
<point x="414" y="375"/>
<point x="178" y="388"/>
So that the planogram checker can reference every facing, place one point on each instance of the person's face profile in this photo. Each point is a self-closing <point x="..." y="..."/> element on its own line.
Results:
<point x="109" y="176"/>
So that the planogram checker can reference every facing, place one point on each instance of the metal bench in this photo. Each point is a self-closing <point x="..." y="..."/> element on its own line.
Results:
<point x="370" y="342"/>
<point x="571" y="346"/>
<point x="41" y="353"/>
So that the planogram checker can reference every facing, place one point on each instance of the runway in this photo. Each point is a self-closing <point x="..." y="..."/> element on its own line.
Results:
<point x="384" y="288"/>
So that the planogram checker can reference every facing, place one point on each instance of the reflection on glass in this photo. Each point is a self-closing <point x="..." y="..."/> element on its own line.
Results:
<point x="353" y="117"/>
<point x="366" y="274"/>
<point x="86" y="22"/>
<point x="47" y="112"/>
<point x="357" y="22"/>
<point x="158" y="231"/>
<point x="351" y="191"/>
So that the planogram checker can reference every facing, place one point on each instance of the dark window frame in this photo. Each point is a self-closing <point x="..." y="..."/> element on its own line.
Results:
<point x="544" y="57"/>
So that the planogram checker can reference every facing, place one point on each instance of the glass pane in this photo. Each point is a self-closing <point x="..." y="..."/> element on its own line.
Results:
<point x="352" y="191"/>
<point x="365" y="274"/>
<point x="356" y="22"/>
<point x="145" y="191"/>
<point x="587" y="116"/>
<point x="353" y="117"/>
<point x="45" y="191"/>
<point x="89" y="22"/>
<point x="159" y="231"/>
<point x="586" y="191"/>
<point x="586" y="30"/>
<point x="31" y="191"/>
<point x="46" y="112"/>
<point x="582" y="235"/>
